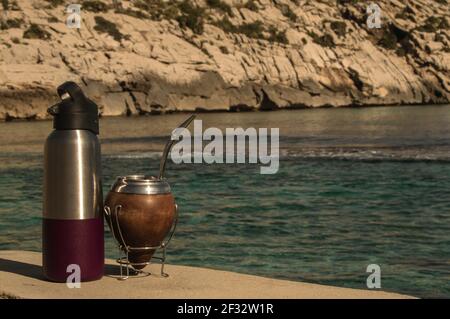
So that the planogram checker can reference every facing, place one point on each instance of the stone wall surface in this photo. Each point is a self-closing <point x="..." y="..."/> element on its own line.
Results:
<point x="155" y="56"/>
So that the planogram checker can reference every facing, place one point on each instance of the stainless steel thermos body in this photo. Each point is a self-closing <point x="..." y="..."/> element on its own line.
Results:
<point x="72" y="228"/>
<point x="72" y="187"/>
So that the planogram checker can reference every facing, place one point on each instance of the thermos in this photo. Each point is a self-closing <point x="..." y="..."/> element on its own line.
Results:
<point x="72" y="226"/>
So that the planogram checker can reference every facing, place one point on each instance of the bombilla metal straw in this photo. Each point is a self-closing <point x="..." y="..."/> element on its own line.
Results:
<point x="169" y="144"/>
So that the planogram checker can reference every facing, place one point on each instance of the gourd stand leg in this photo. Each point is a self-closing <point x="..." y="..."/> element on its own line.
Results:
<point x="163" y="260"/>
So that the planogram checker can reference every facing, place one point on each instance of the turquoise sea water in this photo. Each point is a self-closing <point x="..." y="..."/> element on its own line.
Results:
<point x="355" y="187"/>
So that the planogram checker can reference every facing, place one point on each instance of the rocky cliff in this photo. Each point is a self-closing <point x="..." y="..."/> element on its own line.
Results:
<point x="156" y="56"/>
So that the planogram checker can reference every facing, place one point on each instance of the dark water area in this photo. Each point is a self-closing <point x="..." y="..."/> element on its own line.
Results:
<point x="354" y="187"/>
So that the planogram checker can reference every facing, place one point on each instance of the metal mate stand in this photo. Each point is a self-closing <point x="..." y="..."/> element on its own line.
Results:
<point x="124" y="248"/>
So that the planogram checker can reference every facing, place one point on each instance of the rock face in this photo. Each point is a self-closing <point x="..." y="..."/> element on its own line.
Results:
<point x="156" y="56"/>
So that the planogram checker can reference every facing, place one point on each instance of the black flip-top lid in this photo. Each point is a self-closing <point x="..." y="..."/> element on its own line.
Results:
<point x="76" y="112"/>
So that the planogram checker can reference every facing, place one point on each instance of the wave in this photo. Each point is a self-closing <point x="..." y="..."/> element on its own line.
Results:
<point x="372" y="155"/>
<point x="327" y="153"/>
<point x="414" y="153"/>
<point x="151" y="155"/>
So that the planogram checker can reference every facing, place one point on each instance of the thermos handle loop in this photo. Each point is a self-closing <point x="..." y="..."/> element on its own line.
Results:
<point x="72" y="89"/>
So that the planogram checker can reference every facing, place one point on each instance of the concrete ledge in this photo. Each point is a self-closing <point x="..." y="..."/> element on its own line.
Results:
<point x="21" y="277"/>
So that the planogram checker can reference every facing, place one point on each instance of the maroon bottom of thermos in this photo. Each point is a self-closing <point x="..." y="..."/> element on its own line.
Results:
<point x="68" y="242"/>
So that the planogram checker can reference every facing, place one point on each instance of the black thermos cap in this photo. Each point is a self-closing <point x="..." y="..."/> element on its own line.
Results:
<point x="75" y="112"/>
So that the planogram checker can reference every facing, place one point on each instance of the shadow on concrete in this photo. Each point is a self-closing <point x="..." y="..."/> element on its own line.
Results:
<point x="20" y="268"/>
<point x="35" y="271"/>
<point x="112" y="270"/>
